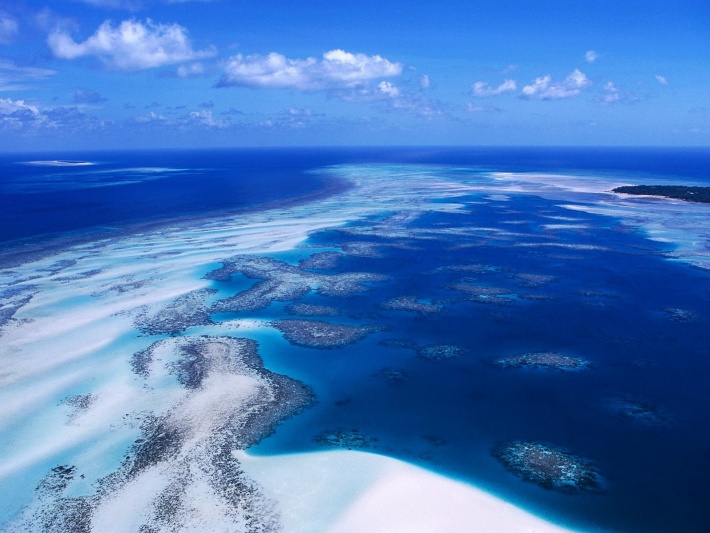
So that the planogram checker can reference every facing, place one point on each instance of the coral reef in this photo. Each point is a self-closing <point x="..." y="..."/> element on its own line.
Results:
<point x="548" y="467"/>
<point x="318" y="334"/>
<point x="549" y="360"/>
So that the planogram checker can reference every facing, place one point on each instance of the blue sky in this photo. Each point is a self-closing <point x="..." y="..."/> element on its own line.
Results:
<point x="101" y="74"/>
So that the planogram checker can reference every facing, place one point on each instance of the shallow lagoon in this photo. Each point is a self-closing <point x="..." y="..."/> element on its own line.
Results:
<point x="546" y="269"/>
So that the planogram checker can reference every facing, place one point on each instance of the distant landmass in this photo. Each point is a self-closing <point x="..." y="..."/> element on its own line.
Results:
<point x="680" y="192"/>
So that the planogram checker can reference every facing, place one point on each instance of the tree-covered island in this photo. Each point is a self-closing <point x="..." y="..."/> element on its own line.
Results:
<point x="679" y="192"/>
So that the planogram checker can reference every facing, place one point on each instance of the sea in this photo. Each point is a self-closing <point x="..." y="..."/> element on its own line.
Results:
<point x="489" y="297"/>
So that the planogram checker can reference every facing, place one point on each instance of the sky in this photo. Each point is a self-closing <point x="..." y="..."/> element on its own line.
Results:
<point x="124" y="74"/>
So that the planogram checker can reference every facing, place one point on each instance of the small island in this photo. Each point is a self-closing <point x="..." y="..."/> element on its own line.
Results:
<point x="678" y="192"/>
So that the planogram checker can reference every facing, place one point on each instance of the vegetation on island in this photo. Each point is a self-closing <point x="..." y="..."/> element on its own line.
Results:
<point x="679" y="192"/>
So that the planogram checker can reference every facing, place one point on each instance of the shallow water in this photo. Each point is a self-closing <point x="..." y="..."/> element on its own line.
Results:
<point x="507" y="266"/>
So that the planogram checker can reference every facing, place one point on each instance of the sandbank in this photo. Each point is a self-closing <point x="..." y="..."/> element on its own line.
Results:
<point x="348" y="491"/>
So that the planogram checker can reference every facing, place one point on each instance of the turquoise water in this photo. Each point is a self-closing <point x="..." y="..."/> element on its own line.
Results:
<point x="541" y="271"/>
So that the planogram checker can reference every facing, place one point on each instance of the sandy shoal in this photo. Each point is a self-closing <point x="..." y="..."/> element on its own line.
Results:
<point x="347" y="491"/>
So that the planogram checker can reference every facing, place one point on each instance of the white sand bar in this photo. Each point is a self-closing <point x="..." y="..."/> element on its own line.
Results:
<point x="354" y="492"/>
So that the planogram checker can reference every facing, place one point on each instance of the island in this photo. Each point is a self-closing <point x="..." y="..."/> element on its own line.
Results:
<point x="679" y="192"/>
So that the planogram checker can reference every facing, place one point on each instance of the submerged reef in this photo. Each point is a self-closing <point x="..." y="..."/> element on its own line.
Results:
<point x="340" y="438"/>
<point x="321" y="260"/>
<point x="185" y="311"/>
<point x="440" y="352"/>
<point x="183" y="462"/>
<point x="680" y="315"/>
<point x="318" y="334"/>
<point x="483" y="294"/>
<point x="639" y="410"/>
<point x="399" y="343"/>
<point x="678" y="192"/>
<point x="393" y="376"/>
<point x="12" y="299"/>
<point x="549" y="360"/>
<point x="533" y="280"/>
<point x="282" y="282"/>
<point x="413" y="304"/>
<point x="548" y="467"/>
<point x="311" y="310"/>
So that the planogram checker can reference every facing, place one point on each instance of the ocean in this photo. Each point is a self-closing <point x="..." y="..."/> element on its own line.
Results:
<point x="494" y="315"/>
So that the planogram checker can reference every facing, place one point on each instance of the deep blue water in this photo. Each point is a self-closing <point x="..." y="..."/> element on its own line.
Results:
<point x="607" y="305"/>
<point x="124" y="188"/>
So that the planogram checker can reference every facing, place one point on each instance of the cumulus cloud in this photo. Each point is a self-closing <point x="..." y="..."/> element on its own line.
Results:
<point x="661" y="79"/>
<point x="611" y="93"/>
<point x="591" y="56"/>
<point x="543" y="88"/>
<point x="191" y="70"/>
<point x="132" y="45"/>
<point x="388" y="88"/>
<point x="87" y="96"/>
<point x="425" y="82"/>
<point x="482" y="89"/>
<point x="8" y="28"/>
<point x="337" y="69"/>
<point x="16" y="114"/>
<point x="20" y="117"/>
<point x="14" y="77"/>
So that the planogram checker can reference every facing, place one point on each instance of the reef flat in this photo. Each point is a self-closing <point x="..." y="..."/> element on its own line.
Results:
<point x="677" y="192"/>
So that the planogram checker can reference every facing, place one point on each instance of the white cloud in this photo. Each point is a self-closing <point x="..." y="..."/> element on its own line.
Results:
<point x="190" y="70"/>
<point x="425" y="82"/>
<point x="591" y="56"/>
<point x="336" y="70"/>
<point x="133" y="45"/>
<point x="87" y="96"/>
<point x="8" y="28"/>
<point x="612" y="93"/>
<point x="151" y="117"/>
<point x="544" y="89"/>
<point x="14" y="77"/>
<point x="205" y="118"/>
<point x="16" y="114"/>
<point x="481" y="88"/>
<point x="661" y="79"/>
<point x="388" y="89"/>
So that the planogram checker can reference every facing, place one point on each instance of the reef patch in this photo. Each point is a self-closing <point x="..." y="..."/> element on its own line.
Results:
<point x="546" y="360"/>
<point x="318" y="334"/>
<point x="549" y="467"/>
